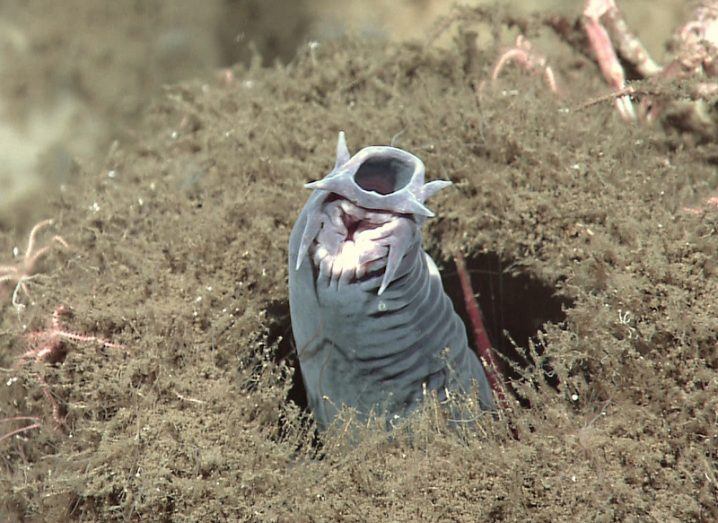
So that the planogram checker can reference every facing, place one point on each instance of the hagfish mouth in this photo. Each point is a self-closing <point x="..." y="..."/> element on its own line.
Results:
<point x="365" y="214"/>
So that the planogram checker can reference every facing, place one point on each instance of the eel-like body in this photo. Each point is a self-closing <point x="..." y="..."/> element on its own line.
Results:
<point x="373" y="327"/>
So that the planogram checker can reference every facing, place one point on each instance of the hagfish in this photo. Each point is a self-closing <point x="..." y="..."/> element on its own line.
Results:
<point x="373" y="327"/>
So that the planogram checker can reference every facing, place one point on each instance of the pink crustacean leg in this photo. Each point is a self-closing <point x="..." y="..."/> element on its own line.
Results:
<point x="523" y="54"/>
<point x="605" y="25"/>
<point x="484" y="347"/>
<point x="605" y="53"/>
<point x="627" y="45"/>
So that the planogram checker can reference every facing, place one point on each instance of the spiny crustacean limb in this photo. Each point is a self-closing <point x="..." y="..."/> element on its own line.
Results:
<point x="374" y="330"/>
<point x="594" y="12"/>
<point x="694" y="45"/>
<point x="605" y="13"/>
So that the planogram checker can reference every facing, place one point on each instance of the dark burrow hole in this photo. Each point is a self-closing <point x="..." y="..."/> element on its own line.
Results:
<point x="514" y="306"/>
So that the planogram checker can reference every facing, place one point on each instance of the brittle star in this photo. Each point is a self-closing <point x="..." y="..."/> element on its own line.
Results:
<point x="24" y="270"/>
<point x="47" y="346"/>
<point x="48" y="342"/>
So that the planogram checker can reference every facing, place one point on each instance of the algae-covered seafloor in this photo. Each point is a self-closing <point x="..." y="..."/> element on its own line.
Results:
<point x="573" y="226"/>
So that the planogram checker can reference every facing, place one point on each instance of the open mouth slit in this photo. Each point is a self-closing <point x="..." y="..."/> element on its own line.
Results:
<point x="357" y="219"/>
<point x="352" y="225"/>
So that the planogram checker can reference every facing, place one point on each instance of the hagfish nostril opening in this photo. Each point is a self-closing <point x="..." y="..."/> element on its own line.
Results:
<point x="384" y="175"/>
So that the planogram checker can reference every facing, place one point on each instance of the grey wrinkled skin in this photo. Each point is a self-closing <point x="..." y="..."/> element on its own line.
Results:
<point x="373" y="327"/>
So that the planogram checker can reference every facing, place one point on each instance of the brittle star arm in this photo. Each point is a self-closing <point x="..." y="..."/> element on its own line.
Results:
<point x="35" y="425"/>
<point x="31" y="257"/>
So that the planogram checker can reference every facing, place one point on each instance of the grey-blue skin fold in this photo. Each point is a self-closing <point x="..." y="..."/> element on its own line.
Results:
<point x="376" y="333"/>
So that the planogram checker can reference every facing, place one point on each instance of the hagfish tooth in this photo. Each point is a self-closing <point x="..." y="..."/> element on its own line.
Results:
<point x="373" y="327"/>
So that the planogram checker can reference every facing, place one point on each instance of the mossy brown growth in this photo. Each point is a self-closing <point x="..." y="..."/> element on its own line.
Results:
<point x="182" y="253"/>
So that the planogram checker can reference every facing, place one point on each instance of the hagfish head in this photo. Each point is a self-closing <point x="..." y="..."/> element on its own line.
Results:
<point x="367" y="214"/>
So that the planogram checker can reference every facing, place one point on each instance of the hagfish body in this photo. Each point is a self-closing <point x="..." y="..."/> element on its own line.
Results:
<point x="373" y="327"/>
